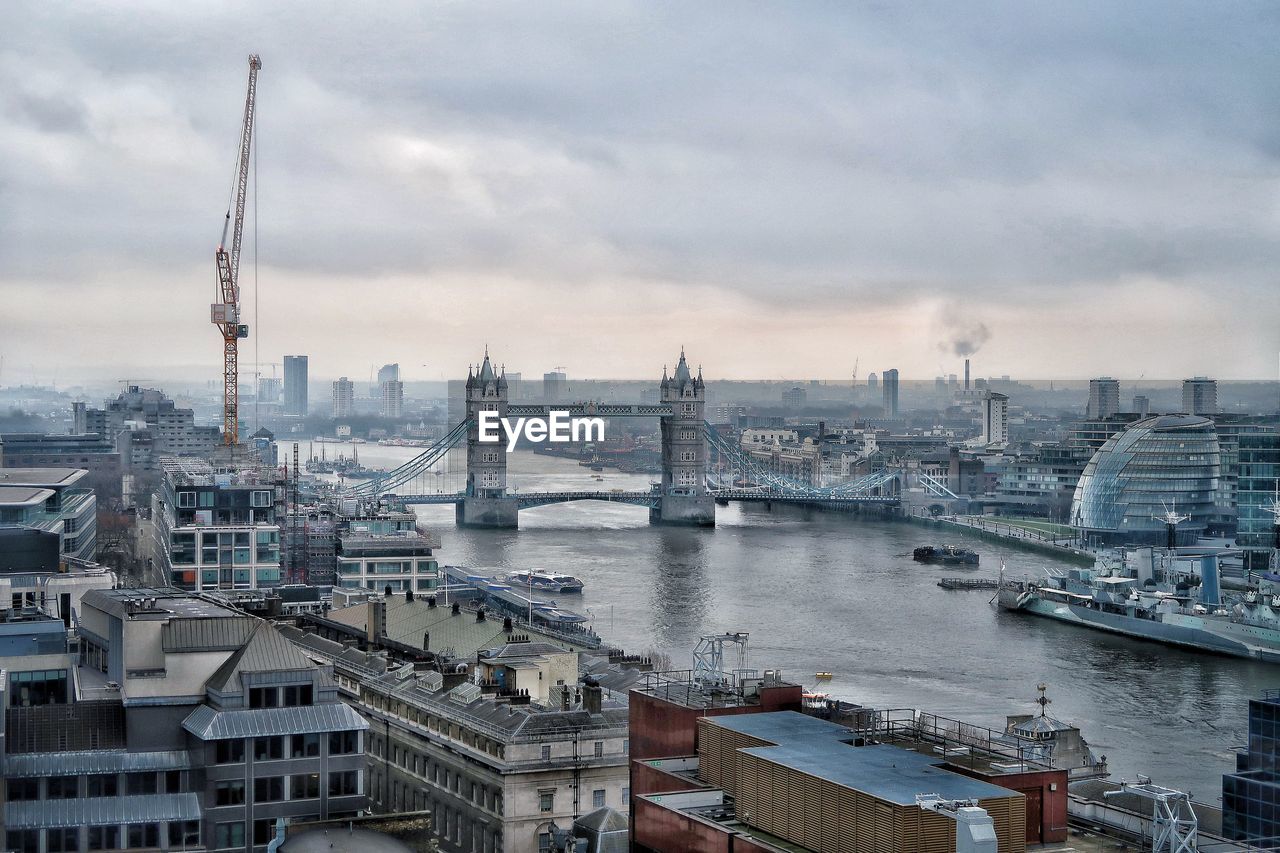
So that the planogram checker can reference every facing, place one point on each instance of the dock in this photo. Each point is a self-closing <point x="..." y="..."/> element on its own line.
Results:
<point x="969" y="583"/>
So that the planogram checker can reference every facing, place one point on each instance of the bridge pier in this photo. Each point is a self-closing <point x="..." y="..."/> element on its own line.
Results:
<point x="686" y="510"/>
<point x="492" y="513"/>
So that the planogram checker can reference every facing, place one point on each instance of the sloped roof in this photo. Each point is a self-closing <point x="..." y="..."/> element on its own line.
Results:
<point x="207" y="724"/>
<point x="603" y="819"/>
<point x="266" y="650"/>
<point x="36" y="814"/>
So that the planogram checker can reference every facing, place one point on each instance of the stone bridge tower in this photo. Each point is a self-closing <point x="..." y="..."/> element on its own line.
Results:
<point x="486" y="503"/>
<point x="684" y="498"/>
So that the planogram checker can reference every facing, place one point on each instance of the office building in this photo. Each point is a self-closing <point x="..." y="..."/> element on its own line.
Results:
<point x="344" y="398"/>
<point x="1104" y="398"/>
<point x="389" y="373"/>
<point x="53" y="500"/>
<point x="709" y="756"/>
<point x="794" y="397"/>
<point x="145" y="424"/>
<point x="214" y="530"/>
<point x="181" y="724"/>
<point x="995" y="419"/>
<point x="1200" y="396"/>
<point x="397" y="560"/>
<point x="295" y="385"/>
<point x="1158" y="463"/>
<point x="1250" y="794"/>
<point x="392" y="391"/>
<point x="555" y="386"/>
<point x="873" y="383"/>
<point x="92" y="452"/>
<point x="1141" y="405"/>
<point x="269" y="389"/>
<point x="890" y="393"/>
<point x="1257" y="489"/>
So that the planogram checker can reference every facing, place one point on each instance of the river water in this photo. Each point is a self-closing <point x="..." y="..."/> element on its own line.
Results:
<point x="829" y="592"/>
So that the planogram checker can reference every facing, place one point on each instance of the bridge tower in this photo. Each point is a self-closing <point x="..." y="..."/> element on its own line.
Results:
<point x="485" y="502"/>
<point x="684" y="498"/>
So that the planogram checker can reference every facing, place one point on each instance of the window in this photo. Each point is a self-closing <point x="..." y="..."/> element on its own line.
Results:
<point x="186" y="500"/>
<point x="19" y="790"/>
<point x="547" y="801"/>
<point x="228" y="834"/>
<point x="173" y="781"/>
<point x="299" y="695"/>
<point x="546" y="752"/>
<point x="262" y="498"/>
<point x="104" y="785"/>
<point x="229" y="752"/>
<point x="264" y="830"/>
<point x="229" y="793"/>
<point x="304" y="787"/>
<point x="626" y="795"/>
<point x="305" y="746"/>
<point x="264" y="697"/>
<point x="63" y="840"/>
<point x="597" y="798"/>
<point x="62" y="788"/>
<point x="688" y="456"/>
<point x="344" y="743"/>
<point x="141" y="783"/>
<point x="599" y="751"/>
<point x="688" y="435"/>
<point x="344" y="784"/>
<point x="626" y="746"/>
<point x="267" y="749"/>
<point x="22" y="839"/>
<point x="688" y="408"/>
<point x="104" y="837"/>
<point x="184" y="834"/>
<point x="144" y="835"/>
<point x="269" y="789"/>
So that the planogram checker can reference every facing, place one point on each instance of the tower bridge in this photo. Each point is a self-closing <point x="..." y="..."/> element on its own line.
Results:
<point x="687" y="493"/>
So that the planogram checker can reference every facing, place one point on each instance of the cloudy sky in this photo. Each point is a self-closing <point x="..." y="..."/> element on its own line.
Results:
<point x="1074" y="188"/>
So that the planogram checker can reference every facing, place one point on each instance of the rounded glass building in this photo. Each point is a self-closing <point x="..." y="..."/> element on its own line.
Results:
<point x="1156" y="464"/>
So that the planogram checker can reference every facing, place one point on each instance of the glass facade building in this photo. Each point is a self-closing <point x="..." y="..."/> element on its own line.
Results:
<point x="1257" y="484"/>
<point x="1157" y="463"/>
<point x="1251" y="795"/>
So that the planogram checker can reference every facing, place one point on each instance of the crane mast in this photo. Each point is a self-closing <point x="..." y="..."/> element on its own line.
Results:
<point x="226" y="314"/>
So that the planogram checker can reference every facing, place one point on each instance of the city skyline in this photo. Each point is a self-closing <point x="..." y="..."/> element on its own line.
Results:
<point x="784" y="192"/>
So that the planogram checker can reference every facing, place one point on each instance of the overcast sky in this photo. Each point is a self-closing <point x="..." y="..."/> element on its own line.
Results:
<point x="1075" y="189"/>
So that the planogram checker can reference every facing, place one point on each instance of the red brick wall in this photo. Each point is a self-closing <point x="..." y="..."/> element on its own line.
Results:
<point x="1034" y="785"/>
<point x="651" y="780"/>
<point x="661" y="729"/>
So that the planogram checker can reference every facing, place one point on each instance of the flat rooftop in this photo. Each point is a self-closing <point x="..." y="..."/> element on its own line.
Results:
<point x="175" y="602"/>
<point x="40" y="477"/>
<point x="23" y="495"/>
<point x="826" y="750"/>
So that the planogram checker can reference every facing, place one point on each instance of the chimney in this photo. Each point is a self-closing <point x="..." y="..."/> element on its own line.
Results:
<point x="966" y="374"/>
<point x="592" y="695"/>
<point x="507" y="626"/>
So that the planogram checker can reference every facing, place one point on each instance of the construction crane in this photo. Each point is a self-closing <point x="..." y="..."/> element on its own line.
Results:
<point x="226" y="314"/>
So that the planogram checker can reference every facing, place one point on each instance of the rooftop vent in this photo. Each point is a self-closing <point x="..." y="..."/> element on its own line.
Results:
<point x="465" y="694"/>
<point x="431" y="681"/>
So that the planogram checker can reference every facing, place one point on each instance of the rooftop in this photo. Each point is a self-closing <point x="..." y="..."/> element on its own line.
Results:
<point x="174" y="603"/>
<point x="826" y="750"/>
<point x="40" y="477"/>
<point x="23" y="495"/>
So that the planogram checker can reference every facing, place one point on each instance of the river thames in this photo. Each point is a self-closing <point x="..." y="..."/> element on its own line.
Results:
<point x="830" y="592"/>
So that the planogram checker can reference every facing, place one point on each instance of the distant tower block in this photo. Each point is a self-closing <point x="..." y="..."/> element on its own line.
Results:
<point x="684" y="498"/>
<point x="485" y="502"/>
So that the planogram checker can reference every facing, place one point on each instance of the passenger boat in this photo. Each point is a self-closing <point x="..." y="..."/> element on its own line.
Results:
<point x="545" y="581"/>
<point x="950" y="554"/>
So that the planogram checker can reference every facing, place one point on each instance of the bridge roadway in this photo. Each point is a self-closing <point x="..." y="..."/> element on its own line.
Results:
<point x="529" y="500"/>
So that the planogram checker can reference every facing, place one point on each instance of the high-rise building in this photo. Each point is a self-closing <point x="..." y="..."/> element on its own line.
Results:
<point x="1104" y="397"/>
<point x="995" y="419"/>
<point x="344" y="398"/>
<point x="1257" y="486"/>
<point x="554" y="386"/>
<point x="890" y="393"/>
<point x="873" y="383"/>
<point x="268" y="389"/>
<point x="295" y="385"/>
<point x="1249" y="794"/>
<point x="389" y="373"/>
<point x="793" y="398"/>
<point x="1200" y="396"/>
<point x="392" y="398"/>
<point x="1141" y="405"/>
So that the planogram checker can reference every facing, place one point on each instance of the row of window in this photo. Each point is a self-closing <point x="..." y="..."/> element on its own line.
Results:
<point x="137" y="836"/>
<point x="190" y="499"/>
<point x="96" y="785"/>
<point x="290" y="746"/>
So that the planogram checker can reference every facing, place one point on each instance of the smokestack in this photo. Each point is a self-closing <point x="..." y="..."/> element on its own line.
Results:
<point x="966" y="374"/>
<point x="592" y="695"/>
